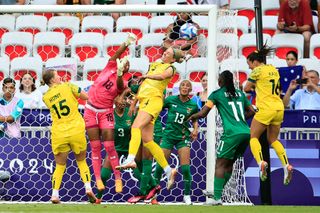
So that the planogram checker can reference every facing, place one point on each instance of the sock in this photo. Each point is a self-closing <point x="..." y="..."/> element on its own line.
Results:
<point x="186" y="178"/>
<point x="281" y="152"/>
<point x="158" y="173"/>
<point x="57" y="176"/>
<point x="256" y="150"/>
<point x="135" y="141"/>
<point x="96" y="158"/>
<point x="55" y="192"/>
<point x="84" y="172"/>
<point x="105" y="175"/>
<point x="112" y="157"/>
<point x="145" y="176"/>
<point x="218" y="187"/>
<point x="227" y="176"/>
<point x="157" y="153"/>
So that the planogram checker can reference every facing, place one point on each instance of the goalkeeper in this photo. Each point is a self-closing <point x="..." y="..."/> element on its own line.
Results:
<point x="98" y="114"/>
<point x="231" y="104"/>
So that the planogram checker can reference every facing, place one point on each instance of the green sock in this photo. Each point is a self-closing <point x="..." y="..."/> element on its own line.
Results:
<point x="186" y="178"/>
<point x="158" y="173"/>
<point x="218" y="187"/>
<point x="105" y="175"/>
<point x="137" y="171"/>
<point x="227" y="176"/>
<point x="146" y="176"/>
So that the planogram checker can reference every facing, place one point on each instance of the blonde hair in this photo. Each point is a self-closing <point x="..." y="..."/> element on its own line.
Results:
<point x="47" y="75"/>
<point x="178" y="55"/>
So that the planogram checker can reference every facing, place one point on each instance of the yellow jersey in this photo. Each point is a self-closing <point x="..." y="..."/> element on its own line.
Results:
<point x="152" y="88"/>
<point x="62" y="102"/>
<point x="267" y="81"/>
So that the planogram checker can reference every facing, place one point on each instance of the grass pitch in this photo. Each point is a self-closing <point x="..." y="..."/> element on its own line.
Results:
<point x="111" y="208"/>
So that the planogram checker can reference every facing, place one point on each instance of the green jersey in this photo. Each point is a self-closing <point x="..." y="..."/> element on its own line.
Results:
<point x="122" y="130"/>
<point x="231" y="111"/>
<point x="178" y="113"/>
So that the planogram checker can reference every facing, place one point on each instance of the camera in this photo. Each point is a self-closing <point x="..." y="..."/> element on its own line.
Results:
<point x="301" y="81"/>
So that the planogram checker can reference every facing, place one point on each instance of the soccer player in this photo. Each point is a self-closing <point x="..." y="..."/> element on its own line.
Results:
<point x="177" y="134"/>
<point x="68" y="130"/>
<point x="98" y="113"/>
<point x="265" y="79"/>
<point x="150" y="97"/>
<point x="231" y="104"/>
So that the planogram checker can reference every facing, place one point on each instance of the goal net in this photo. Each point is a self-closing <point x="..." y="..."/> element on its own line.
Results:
<point x="78" y="45"/>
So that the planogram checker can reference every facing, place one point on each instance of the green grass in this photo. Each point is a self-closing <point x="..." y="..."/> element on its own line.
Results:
<point x="65" y="208"/>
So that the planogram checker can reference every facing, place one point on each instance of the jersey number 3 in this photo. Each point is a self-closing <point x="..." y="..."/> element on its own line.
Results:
<point x="62" y="109"/>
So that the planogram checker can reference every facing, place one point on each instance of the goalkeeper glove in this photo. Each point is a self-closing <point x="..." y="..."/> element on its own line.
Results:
<point x="131" y="39"/>
<point x="120" y="65"/>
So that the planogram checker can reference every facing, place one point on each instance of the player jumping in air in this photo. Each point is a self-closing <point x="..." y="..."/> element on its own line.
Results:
<point x="98" y="113"/>
<point x="265" y="79"/>
<point x="67" y="132"/>
<point x="231" y="104"/>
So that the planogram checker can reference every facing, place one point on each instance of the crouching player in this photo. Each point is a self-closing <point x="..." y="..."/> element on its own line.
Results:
<point x="67" y="132"/>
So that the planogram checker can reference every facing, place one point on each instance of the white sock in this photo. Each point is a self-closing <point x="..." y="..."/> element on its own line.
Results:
<point x="87" y="186"/>
<point x="167" y="170"/>
<point x="131" y="158"/>
<point x="55" y="193"/>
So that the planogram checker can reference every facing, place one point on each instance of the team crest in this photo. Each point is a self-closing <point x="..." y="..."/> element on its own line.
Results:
<point x="128" y="122"/>
<point x="189" y="110"/>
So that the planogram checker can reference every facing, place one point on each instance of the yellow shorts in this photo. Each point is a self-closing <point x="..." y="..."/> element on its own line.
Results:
<point x="272" y="117"/>
<point x="77" y="143"/>
<point x="152" y="106"/>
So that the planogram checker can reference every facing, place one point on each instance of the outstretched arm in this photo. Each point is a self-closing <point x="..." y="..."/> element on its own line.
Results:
<point x="130" y="40"/>
<point x="201" y="114"/>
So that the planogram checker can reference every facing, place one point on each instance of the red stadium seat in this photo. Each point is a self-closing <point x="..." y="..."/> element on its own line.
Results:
<point x="16" y="44"/>
<point x="68" y="25"/>
<point x="31" y="23"/>
<point x="315" y="46"/>
<point x="151" y="46"/>
<point x="135" y="24"/>
<point x="31" y="65"/>
<point x="196" y="68"/>
<point x="4" y="67"/>
<point x="92" y="68"/>
<point x="112" y="42"/>
<point x="97" y="24"/>
<point x="7" y="23"/>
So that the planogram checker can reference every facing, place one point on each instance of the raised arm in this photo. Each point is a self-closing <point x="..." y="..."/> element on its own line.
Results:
<point x="201" y="114"/>
<point x="130" y="40"/>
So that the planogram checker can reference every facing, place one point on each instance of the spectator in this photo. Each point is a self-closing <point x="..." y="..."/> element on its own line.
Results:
<point x="173" y="38"/>
<point x="10" y="109"/>
<point x="223" y="4"/>
<point x="292" y="60"/>
<point x="28" y="92"/>
<point x="304" y="98"/>
<point x="202" y="97"/>
<point x="115" y="16"/>
<point x="295" y="16"/>
<point x="72" y="2"/>
<point x="11" y="2"/>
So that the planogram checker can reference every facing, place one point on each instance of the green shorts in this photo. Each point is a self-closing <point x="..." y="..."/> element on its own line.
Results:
<point x="169" y="143"/>
<point x="157" y="139"/>
<point x="232" y="147"/>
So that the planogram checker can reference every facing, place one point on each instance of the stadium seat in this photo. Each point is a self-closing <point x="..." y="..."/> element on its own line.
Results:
<point x="270" y="7"/>
<point x="92" y="68"/>
<point x="244" y="7"/>
<point x="227" y="46"/>
<point x="86" y="45"/>
<point x="49" y="45"/>
<point x="179" y="75"/>
<point x="138" y="25"/>
<point x="247" y="43"/>
<point x="7" y="24"/>
<point x="22" y="65"/>
<point x="4" y="67"/>
<point x="196" y="68"/>
<point x="203" y="23"/>
<point x="159" y="24"/>
<point x="144" y="2"/>
<point x="239" y="67"/>
<point x="138" y="67"/>
<point x="16" y="44"/>
<point x="269" y="25"/>
<point x="31" y="23"/>
<point x="286" y="42"/>
<point x="277" y="62"/>
<point x="315" y="23"/>
<point x="112" y="42"/>
<point x="239" y="22"/>
<point x="97" y="24"/>
<point x="151" y="45"/>
<point x="310" y="63"/>
<point x="65" y="67"/>
<point x="68" y="25"/>
<point x="315" y="46"/>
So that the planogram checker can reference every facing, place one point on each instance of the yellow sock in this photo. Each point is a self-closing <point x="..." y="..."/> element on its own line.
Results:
<point x="135" y="141"/>
<point x="84" y="171"/>
<point x="157" y="153"/>
<point x="278" y="147"/>
<point x="57" y="176"/>
<point x="256" y="150"/>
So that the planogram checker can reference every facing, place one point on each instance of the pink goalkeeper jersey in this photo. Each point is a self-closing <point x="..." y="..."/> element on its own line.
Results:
<point x="104" y="89"/>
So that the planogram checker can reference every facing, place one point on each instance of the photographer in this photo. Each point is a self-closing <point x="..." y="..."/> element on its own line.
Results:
<point x="307" y="97"/>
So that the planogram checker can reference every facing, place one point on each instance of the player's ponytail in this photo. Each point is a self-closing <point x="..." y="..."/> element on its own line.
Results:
<point x="259" y="55"/>
<point x="226" y="80"/>
<point x="47" y="75"/>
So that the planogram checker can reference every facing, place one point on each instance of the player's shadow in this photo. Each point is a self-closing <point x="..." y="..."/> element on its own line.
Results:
<point x="298" y="192"/>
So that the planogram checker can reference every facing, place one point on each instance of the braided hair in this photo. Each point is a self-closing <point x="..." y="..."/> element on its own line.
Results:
<point x="259" y="55"/>
<point x="226" y="80"/>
